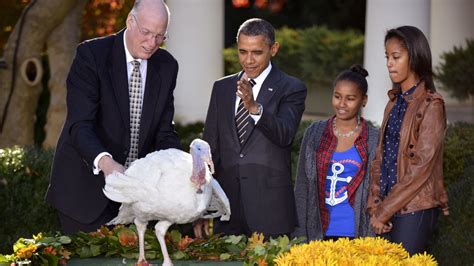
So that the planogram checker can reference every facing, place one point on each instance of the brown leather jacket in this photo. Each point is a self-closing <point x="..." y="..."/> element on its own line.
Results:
<point x="420" y="181"/>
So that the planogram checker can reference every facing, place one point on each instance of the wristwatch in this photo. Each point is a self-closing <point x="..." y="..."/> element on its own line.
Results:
<point x="259" y="110"/>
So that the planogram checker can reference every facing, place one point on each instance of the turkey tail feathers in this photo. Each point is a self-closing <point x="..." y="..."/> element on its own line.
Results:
<point x="115" y="184"/>
<point x="219" y="204"/>
<point x="114" y="221"/>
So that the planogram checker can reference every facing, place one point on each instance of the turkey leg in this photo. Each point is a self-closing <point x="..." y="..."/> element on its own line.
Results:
<point x="141" y="228"/>
<point x="160" y="230"/>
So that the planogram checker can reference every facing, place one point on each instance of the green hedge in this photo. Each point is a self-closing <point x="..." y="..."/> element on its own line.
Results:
<point x="456" y="71"/>
<point x="453" y="243"/>
<point x="315" y="54"/>
<point x="458" y="152"/>
<point x="24" y="175"/>
<point x="24" y="178"/>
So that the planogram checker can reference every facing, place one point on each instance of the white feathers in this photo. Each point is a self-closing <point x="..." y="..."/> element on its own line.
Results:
<point x="218" y="206"/>
<point x="158" y="187"/>
<point x="171" y="186"/>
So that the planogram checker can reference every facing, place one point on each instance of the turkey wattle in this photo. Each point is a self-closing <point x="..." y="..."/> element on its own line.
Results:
<point x="171" y="186"/>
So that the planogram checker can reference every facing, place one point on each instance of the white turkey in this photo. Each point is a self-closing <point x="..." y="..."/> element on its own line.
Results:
<point x="171" y="186"/>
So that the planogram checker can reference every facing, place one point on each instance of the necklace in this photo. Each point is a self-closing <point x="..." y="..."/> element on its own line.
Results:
<point x="345" y="135"/>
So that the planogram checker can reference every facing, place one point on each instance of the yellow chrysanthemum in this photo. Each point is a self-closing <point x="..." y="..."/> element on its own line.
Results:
<point x="361" y="251"/>
<point x="421" y="259"/>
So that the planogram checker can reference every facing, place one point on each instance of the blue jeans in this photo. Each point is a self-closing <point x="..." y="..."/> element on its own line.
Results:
<point x="413" y="229"/>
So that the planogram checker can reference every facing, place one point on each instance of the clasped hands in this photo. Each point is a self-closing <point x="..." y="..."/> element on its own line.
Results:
<point x="244" y="91"/>
<point x="379" y="227"/>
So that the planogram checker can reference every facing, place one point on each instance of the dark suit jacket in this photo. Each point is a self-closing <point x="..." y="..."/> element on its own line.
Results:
<point x="98" y="120"/>
<point x="262" y="167"/>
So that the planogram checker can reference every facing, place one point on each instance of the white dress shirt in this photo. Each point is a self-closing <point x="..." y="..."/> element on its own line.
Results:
<point x="143" y="68"/>
<point x="255" y="90"/>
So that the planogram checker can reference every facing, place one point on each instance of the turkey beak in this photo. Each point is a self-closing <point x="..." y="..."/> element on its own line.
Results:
<point x="210" y="164"/>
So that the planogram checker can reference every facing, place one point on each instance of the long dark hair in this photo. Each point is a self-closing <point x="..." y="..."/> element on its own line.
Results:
<point x="419" y="52"/>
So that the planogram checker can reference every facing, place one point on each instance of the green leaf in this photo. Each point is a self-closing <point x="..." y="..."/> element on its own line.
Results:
<point x="95" y="250"/>
<point x="85" y="252"/>
<point x="84" y="236"/>
<point x="234" y="249"/>
<point x="39" y="260"/>
<point x="224" y="256"/>
<point x="259" y="250"/>
<point x="130" y="255"/>
<point x="47" y="240"/>
<point x="64" y="240"/>
<point x="111" y="253"/>
<point x="3" y="258"/>
<point x="175" y="236"/>
<point x="18" y="245"/>
<point x="283" y="242"/>
<point x="234" y="239"/>
<point x="51" y="260"/>
<point x="150" y="255"/>
<point x="179" y="255"/>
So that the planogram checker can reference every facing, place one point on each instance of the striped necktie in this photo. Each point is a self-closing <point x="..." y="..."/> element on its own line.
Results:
<point x="243" y="120"/>
<point x="135" y="95"/>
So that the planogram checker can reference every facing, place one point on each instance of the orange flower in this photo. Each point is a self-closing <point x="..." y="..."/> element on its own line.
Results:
<point x="66" y="254"/>
<point x="50" y="250"/>
<point x="128" y="238"/>
<point x="255" y="240"/>
<point x="262" y="262"/>
<point x="184" y="242"/>
<point x="105" y="231"/>
<point x="26" y="252"/>
<point x="102" y="232"/>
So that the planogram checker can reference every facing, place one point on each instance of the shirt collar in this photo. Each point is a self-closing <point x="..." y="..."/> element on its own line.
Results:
<point x="128" y="56"/>
<point x="409" y="95"/>
<point x="261" y="78"/>
<point x="410" y="91"/>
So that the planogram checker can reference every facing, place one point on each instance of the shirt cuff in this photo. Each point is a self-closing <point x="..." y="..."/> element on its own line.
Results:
<point x="256" y="117"/>
<point x="96" y="170"/>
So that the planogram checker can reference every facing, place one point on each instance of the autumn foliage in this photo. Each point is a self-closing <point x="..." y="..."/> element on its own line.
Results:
<point x="100" y="17"/>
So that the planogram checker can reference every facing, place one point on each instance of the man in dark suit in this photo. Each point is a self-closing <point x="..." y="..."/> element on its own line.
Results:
<point x="252" y="119"/>
<point x="120" y="108"/>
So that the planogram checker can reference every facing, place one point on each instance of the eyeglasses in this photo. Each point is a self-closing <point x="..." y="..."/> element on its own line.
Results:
<point x="147" y="34"/>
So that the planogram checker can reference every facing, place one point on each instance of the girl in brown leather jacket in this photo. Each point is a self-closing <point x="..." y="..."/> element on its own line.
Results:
<point x="406" y="186"/>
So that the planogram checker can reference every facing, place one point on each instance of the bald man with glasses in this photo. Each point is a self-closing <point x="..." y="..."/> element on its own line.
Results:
<point x="120" y="108"/>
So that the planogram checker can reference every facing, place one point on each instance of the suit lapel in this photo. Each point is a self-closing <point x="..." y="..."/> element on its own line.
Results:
<point x="118" y="75"/>
<point x="229" y="106"/>
<point x="269" y="86"/>
<point x="152" y="90"/>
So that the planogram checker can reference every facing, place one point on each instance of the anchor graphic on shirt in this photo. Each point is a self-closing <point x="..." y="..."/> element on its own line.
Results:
<point x="337" y="168"/>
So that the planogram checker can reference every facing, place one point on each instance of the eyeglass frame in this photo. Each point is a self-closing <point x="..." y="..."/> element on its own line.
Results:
<point x="146" y="33"/>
